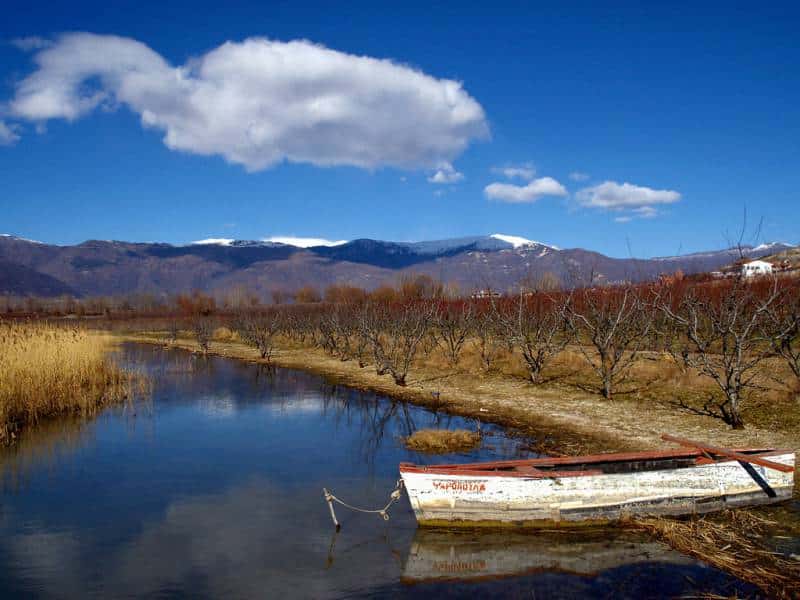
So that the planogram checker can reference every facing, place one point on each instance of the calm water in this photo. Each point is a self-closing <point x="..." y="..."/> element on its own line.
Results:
<point x="213" y="489"/>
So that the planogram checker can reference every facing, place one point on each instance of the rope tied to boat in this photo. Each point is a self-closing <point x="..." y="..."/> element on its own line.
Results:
<point x="382" y="512"/>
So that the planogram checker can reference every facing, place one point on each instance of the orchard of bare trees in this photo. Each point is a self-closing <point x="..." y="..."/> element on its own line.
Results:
<point x="720" y="331"/>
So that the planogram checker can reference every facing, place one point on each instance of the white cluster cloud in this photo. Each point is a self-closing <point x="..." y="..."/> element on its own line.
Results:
<point x="7" y="135"/>
<point x="303" y="242"/>
<point x="446" y="174"/>
<point x="259" y="102"/>
<point x="635" y="200"/>
<point x="531" y="192"/>
<point x="525" y="171"/>
<point x="613" y="195"/>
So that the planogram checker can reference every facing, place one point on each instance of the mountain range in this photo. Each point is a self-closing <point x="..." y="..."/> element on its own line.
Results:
<point x="107" y="268"/>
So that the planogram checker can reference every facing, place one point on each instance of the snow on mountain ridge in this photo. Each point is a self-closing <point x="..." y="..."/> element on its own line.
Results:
<point x="214" y="242"/>
<point x="22" y="239"/>
<point x="518" y="242"/>
<point x="303" y="242"/>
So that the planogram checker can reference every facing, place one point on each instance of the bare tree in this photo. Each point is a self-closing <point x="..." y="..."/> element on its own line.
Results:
<point x="452" y="325"/>
<point x="783" y="329"/>
<point x="341" y="333"/>
<point x="395" y="333"/>
<point x="203" y="330"/>
<point x="486" y="337"/>
<point x="536" y="324"/>
<point x="259" y="330"/>
<point x="173" y="330"/>
<point x="615" y="322"/>
<point x="720" y="327"/>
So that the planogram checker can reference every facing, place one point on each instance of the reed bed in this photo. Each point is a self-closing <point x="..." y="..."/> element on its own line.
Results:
<point x="734" y="542"/>
<point x="442" y="441"/>
<point x="48" y="371"/>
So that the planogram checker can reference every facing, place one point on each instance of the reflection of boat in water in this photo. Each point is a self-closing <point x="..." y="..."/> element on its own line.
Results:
<point x="441" y="554"/>
<point x="596" y="489"/>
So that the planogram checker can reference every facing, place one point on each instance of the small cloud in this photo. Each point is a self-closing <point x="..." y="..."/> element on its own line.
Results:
<point x="642" y="212"/>
<point x="303" y="242"/>
<point x="646" y="212"/>
<point x="634" y="201"/>
<point x="578" y="176"/>
<point x="525" y="171"/>
<point x="446" y="174"/>
<point x="516" y="194"/>
<point x="30" y="43"/>
<point x="624" y="196"/>
<point x="8" y="134"/>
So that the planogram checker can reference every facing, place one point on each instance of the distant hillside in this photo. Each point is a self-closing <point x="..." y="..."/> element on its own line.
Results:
<point x="499" y="262"/>
<point x="19" y="280"/>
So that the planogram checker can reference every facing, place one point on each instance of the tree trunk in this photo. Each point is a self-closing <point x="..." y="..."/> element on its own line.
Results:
<point x="734" y="417"/>
<point x="607" y="391"/>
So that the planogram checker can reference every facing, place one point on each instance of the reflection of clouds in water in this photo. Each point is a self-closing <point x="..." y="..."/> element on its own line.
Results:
<point x="217" y="405"/>
<point x="250" y="541"/>
<point x="52" y="559"/>
<point x="255" y="540"/>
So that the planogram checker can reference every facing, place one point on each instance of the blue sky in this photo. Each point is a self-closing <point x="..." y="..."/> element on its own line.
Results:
<point x="694" y="108"/>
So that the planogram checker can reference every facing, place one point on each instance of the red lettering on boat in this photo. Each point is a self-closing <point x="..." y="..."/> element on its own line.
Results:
<point x="456" y="485"/>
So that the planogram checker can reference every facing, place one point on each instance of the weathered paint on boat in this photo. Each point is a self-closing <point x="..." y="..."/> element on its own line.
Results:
<point x="592" y="490"/>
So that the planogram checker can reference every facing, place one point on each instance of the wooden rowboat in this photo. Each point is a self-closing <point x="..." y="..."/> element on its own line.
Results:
<point x="547" y="492"/>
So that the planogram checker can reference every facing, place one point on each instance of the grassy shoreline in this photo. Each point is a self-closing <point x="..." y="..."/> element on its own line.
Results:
<point x="48" y="371"/>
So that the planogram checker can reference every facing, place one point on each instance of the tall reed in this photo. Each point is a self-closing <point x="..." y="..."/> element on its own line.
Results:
<point x="47" y="370"/>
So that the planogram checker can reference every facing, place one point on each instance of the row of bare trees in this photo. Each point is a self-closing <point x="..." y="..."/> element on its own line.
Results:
<point x="723" y="330"/>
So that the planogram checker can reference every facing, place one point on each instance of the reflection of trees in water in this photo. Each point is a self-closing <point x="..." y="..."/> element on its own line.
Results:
<point x="52" y="440"/>
<point x="376" y="418"/>
<point x="41" y="445"/>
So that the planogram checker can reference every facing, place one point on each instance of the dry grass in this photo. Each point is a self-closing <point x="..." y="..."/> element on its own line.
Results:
<point x="224" y="334"/>
<point x="47" y="371"/>
<point x="732" y="541"/>
<point x="442" y="441"/>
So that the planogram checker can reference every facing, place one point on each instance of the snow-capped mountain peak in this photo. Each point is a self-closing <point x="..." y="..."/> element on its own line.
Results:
<point x="21" y="239"/>
<point x="303" y="242"/>
<point x="214" y="242"/>
<point x="518" y="242"/>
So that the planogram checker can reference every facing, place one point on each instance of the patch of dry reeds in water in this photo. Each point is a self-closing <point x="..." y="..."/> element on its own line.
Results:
<point x="46" y="371"/>
<point x="442" y="441"/>
<point x="732" y="541"/>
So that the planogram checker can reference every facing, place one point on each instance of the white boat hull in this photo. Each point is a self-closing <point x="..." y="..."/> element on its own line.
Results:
<point x="493" y="498"/>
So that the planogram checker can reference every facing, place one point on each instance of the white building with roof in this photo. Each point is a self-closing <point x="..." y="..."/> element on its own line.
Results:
<point x="755" y="268"/>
